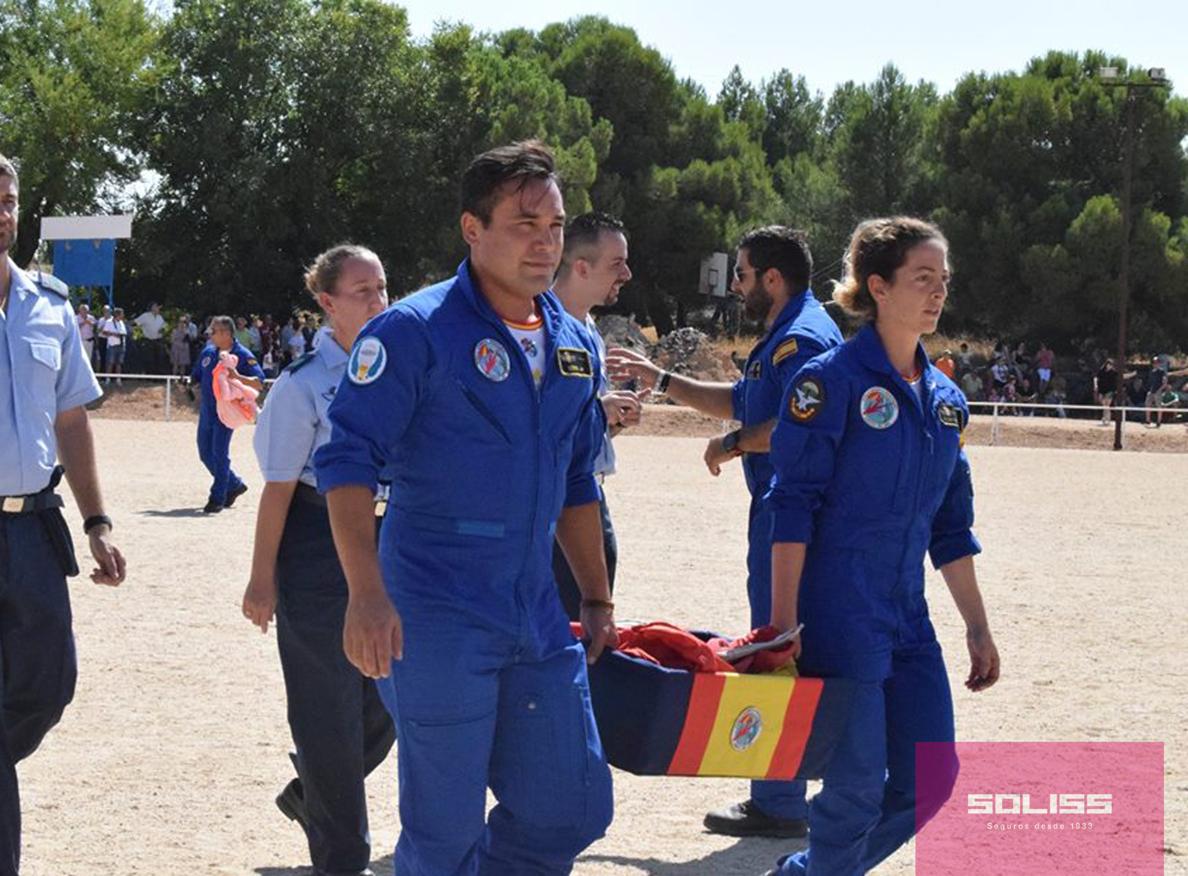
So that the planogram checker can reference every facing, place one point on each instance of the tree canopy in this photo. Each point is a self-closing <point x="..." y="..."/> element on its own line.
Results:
<point x="251" y="134"/>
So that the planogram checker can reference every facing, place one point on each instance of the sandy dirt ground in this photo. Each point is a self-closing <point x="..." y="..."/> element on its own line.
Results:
<point x="170" y="756"/>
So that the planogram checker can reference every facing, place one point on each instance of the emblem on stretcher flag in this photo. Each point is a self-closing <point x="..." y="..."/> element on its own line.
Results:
<point x="746" y="729"/>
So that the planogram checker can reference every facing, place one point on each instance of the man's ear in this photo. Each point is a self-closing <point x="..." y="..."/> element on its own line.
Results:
<point x="472" y="227"/>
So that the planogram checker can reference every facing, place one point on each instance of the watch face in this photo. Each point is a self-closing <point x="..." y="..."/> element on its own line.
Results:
<point x="730" y="442"/>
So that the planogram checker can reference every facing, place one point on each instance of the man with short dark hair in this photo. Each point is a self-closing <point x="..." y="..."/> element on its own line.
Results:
<point x="45" y="382"/>
<point x="477" y="396"/>
<point x="593" y="270"/>
<point x="772" y="276"/>
<point x="152" y="343"/>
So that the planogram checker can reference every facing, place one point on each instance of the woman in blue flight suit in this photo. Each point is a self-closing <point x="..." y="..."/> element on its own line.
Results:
<point x="870" y="476"/>
<point x="340" y="727"/>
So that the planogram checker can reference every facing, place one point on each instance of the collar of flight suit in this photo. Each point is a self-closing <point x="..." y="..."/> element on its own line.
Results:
<point x="544" y="302"/>
<point x="872" y="354"/>
<point x="791" y="309"/>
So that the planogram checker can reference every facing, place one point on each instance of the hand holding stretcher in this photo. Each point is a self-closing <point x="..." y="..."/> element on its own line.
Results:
<point x="667" y="702"/>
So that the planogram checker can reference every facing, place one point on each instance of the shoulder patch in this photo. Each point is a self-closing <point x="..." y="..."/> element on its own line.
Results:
<point x="574" y="362"/>
<point x="367" y="362"/>
<point x="755" y="370"/>
<point x="805" y="399"/>
<point x="784" y="350"/>
<point x="300" y="362"/>
<point x="50" y="283"/>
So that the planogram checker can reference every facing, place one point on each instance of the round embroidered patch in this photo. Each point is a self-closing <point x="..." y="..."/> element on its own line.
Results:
<point x="879" y="408"/>
<point x="746" y="729"/>
<point x="491" y="359"/>
<point x="367" y="361"/>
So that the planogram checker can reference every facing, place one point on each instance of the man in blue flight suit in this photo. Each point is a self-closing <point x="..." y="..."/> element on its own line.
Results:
<point x="772" y="275"/>
<point x="45" y="381"/>
<point x="479" y="393"/>
<point x="214" y="439"/>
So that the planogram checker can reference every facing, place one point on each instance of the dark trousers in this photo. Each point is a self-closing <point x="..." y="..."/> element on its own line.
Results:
<point x="571" y="596"/>
<point x="214" y="449"/>
<point x="37" y="660"/>
<point x="340" y="727"/>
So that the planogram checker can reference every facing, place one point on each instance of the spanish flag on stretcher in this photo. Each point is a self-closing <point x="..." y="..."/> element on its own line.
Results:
<point x="656" y="721"/>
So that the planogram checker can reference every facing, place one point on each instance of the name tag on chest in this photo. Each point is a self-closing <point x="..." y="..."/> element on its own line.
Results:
<point x="574" y="362"/>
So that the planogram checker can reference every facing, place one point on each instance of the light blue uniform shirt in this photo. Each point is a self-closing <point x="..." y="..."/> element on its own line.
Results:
<point x="293" y="423"/>
<point x="604" y="462"/>
<point x="43" y="371"/>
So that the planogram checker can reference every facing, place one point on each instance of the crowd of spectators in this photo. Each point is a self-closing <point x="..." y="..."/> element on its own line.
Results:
<point x="1014" y="376"/>
<point x="156" y="344"/>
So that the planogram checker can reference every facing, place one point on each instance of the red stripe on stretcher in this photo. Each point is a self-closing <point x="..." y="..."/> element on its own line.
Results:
<point x="699" y="723"/>
<point x="798" y="726"/>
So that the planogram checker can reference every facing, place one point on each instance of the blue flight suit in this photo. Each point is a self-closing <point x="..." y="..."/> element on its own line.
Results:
<point x="801" y="330"/>
<point x="214" y="439"/>
<point x="339" y="724"/>
<point x="870" y="477"/>
<point x="43" y="372"/>
<point x="492" y="690"/>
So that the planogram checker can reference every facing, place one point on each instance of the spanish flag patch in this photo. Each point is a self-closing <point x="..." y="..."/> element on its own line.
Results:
<point x="784" y="350"/>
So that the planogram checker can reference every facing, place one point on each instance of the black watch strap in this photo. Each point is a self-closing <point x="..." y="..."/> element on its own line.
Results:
<point x="662" y="383"/>
<point x="96" y="520"/>
<point x="730" y="441"/>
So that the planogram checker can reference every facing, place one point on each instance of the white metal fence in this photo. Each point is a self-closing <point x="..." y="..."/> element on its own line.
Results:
<point x="996" y="410"/>
<point x="168" y="379"/>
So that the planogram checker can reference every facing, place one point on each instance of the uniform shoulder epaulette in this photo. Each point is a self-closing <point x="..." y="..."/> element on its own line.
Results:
<point x="50" y="283"/>
<point x="301" y="361"/>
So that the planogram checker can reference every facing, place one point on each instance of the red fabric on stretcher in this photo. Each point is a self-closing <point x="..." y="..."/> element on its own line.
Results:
<point x="674" y="648"/>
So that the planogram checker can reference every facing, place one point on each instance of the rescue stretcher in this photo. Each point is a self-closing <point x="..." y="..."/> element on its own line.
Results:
<point x="657" y="721"/>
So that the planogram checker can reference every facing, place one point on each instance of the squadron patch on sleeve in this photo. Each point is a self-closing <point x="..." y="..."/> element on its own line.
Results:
<point x="806" y="399"/>
<point x="755" y="370"/>
<point x="367" y="361"/>
<point x="574" y="362"/>
<point x="784" y="350"/>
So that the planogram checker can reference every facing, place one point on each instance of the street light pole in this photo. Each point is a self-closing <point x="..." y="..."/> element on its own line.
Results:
<point x="1124" y="291"/>
<point x="1156" y="78"/>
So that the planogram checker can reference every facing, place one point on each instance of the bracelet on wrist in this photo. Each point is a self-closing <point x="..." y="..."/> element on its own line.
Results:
<point x="605" y="604"/>
<point x="662" y="382"/>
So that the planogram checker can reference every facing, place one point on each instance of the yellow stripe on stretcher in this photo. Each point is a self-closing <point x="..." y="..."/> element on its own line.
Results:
<point x="735" y="748"/>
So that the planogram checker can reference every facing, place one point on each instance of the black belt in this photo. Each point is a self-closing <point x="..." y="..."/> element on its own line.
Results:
<point x="309" y="494"/>
<point x="44" y="500"/>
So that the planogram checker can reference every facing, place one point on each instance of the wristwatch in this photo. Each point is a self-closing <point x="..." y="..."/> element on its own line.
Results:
<point x="730" y="441"/>
<point x="96" y="520"/>
<point x="662" y="383"/>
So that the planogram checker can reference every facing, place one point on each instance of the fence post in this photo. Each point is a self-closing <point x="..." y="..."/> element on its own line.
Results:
<point x="994" y="426"/>
<point x="168" y="398"/>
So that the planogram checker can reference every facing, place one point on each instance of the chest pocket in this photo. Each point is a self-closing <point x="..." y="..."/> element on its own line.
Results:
<point x="879" y="453"/>
<point x="46" y="356"/>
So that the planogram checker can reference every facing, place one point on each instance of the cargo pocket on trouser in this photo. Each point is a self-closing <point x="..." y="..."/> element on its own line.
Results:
<point x="547" y="766"/>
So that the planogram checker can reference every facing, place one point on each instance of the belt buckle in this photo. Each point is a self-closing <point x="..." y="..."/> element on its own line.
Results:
<point x="13" y="504"/>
